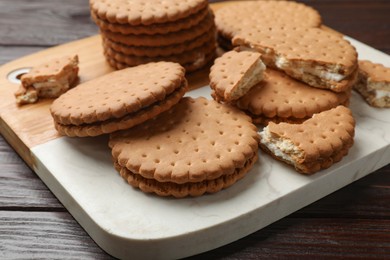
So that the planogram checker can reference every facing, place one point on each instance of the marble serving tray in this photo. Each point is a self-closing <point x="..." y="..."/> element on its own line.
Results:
<point x="128" y="223"/>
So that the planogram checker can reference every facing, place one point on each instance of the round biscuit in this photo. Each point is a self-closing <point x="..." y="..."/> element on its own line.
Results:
<point x="196" y="140"/>
<point x="168" y="50"/>
<point x="162" y="28"/>
<point x="137" y="12"/>
<point x="156" y="40"/>
<point x="181" y="58"/>
<point x="192" y="189"/>
<point x="125" y="122"/>
<point x="200" y="63"/>
<point x="117" y="94"/>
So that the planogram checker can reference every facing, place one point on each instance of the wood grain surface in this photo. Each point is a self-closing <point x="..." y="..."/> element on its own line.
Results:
<point x="353" y="222"/>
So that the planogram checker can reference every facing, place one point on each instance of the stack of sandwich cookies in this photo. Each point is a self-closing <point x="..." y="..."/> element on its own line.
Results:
<point x="315" y="144"/>
<point x="119" y="100"/>
<point x="374" y="83"/>
<point x="232" y="18"/>
<point x="234" y="74"/>
<point x="198" y="146"/>
<point x="280" y="98"/>
<point x="140" y="32"/>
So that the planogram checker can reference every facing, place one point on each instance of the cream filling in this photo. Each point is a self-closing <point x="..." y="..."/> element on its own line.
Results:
<point x="298" y="69"/>
<point x="381" y="94"/>
<point x="283" y="63"/>
<point x="282" y="148"/>
<point x="254" y="77"/>
<point x="52" y="87"/>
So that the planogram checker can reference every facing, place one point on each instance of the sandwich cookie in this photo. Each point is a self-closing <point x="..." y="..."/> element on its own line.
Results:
<point x="198" y="146"/>
<point x="160" y="51"/>
<point x="156" y="28"/>
<point x="315" y="144"/>
<point x="159" y="40"/>
<point x="320" y="58"/>
<point x="140" y="12"/>
<point x="119" y="100"/>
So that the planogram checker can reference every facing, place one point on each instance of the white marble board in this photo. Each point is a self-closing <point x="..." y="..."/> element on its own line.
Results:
<point x="130" y="224"/>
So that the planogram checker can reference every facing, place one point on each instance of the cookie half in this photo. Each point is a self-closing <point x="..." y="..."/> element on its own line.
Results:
<point x="315" y="144"/>
<point x="317" y="57"/>
<point x="280" y="98"/>
<point x="198" y="146"/>
<point x="374" y="83"/>
<point x="235" y="73"/>
<point x="119" y="100"/>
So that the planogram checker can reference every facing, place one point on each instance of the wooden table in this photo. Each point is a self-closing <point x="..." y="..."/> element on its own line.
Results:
<point x="352" y="222"/>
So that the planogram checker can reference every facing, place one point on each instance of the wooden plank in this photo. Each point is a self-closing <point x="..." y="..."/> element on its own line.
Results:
<point x="53" y="234"/>
<point x="44" y="22"/>
<point x="20" y="188"/>
<point x="299" y="238"/>
<point x="8" y="53"/>
<point x="45" y="235"/>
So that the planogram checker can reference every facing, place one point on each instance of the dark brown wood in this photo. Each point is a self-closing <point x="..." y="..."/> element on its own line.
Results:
<point x="44" y="235"/>
<point x="353" y="222"/>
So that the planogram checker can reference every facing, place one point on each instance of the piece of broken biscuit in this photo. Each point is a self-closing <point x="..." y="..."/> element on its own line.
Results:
<point x="48" y="80"/>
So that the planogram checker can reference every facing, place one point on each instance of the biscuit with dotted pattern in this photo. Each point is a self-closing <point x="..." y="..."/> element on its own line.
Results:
<point x="141" y="12"/>
<point x="159" y="28"/>
<point x="232" y="18"/>
<point x="196" y="142"/>
<point x="318" y="57"/>
<point x="119" y="100"/>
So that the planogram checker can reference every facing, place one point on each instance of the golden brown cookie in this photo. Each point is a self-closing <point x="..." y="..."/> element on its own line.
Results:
<point x="160" y="51"/>
<point x="190" y="56"/>
<point x="49" y="79"/>
<point x="317" y="57"/>
<point x="157" y="40"/>
<point x="201" y="62"/>
<point x="280" y="98"/>
<point x="197" y="146"/>
<point x="158" y="28"/>
<point x="119" y="100"/>
<point x="374" y="83"/>
<point x="315" y="144"/>
<point x="232" y="18"/>
<point x="140" y="12"/>
<point x="234" y="73"/>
